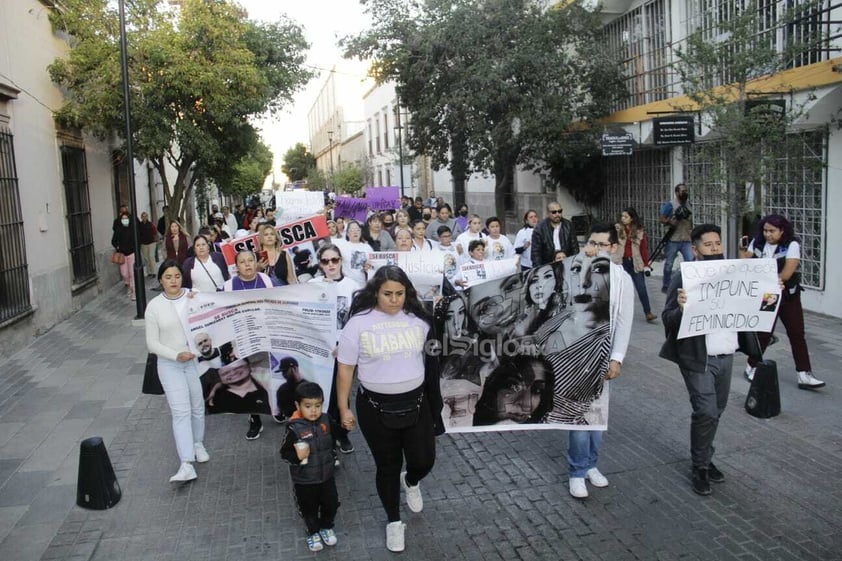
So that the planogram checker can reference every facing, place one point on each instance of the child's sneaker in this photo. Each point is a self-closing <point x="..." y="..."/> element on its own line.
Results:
<point x="328" y="536"/>
<point x="314" y="542"/>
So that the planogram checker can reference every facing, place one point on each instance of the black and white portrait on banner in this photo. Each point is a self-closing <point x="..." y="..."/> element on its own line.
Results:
<point x="528" y="350"/>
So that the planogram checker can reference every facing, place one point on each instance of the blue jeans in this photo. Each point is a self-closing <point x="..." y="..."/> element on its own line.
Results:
<point x="686" y="249"/>
<point x="583" y="451"/>
<point x="639" y="280"/>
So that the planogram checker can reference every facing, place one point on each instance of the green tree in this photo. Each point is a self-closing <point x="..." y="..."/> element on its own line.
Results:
<point x="491" y="84"/>
<point x="349" y="179"/>
<point x="722" y="66"/>
<point x="298" y="162"/>
<point x="196" y="76"/>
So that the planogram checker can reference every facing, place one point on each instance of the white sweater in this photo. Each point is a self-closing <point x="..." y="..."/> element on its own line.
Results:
<point x="164" y="331"/>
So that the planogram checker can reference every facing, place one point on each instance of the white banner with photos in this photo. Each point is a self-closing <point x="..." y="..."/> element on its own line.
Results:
<point x="245" y="342"/>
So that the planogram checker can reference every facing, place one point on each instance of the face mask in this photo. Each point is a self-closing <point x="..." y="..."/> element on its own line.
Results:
<point x="124" y="221"/>
<point x="463" y="213"/>
<point x="716" y="257"/>
<point x="426" y="216"/>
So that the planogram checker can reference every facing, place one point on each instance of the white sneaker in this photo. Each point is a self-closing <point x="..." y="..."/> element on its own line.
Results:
<point x="414" y="500"/>
<point x="596" y="478"/>
<point x="749" y="372"/>
<point x="394" y="536"/>
<point x="202" y="455"/>
<point x="806" y="381"/>
<point x="185" y="473"/>
<point x="578" y="488"/>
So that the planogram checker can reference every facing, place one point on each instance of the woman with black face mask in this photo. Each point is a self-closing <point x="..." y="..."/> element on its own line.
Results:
<point x="462" y="217"/>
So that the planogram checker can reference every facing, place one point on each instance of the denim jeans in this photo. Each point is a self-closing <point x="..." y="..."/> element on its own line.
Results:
<point x="184" y="396"/>
<point x="639" y="280"/>
<point x="583" y="451"/>
<point x="686" y="250"/>
<point x="708" y="396"/>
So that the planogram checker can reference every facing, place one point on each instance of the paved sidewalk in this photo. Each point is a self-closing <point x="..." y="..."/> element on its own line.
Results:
<point x="492" y="496"/>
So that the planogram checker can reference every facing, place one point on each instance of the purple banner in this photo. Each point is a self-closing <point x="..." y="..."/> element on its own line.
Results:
<point x="351" y="208"/>
<point x="383" y="198"/>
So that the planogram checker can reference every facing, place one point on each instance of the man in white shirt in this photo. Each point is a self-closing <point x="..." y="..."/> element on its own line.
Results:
<point x="230" y="221"/>
<point x="583" y="446"/>
<point x="705" y="363"/>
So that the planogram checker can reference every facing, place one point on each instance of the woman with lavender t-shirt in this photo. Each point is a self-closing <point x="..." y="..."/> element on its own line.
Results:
<point x="384" y="340"/>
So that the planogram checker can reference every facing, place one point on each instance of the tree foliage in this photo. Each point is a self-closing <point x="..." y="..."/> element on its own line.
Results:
<point x="349" y="179"/>
<point x="491" y="84"/>
<point x="196" y="75"/>
<point x="298" y="162"/>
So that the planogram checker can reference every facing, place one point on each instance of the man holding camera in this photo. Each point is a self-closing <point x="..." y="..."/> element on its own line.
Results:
<point x="678" y="216"/>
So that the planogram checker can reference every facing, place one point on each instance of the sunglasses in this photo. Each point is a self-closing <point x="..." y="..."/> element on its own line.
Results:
<point x="330" y="261"/>
<point x="555" y="211"/>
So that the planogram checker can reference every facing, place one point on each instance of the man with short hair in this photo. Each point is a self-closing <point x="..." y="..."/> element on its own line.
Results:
<point x="678" y="217"/>
<point x="270" y="216"/>
<point x="444" y="219"/>
<point x="416" y="211"/>
<point x="553" y="238"/>
<point x="705" y="363"/>
<point x="583" y="446"/>
<point x="207" y="352"/>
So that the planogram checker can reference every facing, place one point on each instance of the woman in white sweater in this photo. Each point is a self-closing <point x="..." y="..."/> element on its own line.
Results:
<point x="165" y="337"/>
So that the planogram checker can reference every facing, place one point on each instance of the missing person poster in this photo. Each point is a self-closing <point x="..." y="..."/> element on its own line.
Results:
<point x="729" y="294"/>
<point x="528" y="350"/>
<point x="424" y="268"/>
<point x="290" y="235"/>
<point x="482" y="271"/>
<point x="253" y="347"/>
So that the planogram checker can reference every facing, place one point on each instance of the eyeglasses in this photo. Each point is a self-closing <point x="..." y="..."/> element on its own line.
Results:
<point x="330" y="261"/>
<point x="555" y="211"/>
<point x="601" y="245"/>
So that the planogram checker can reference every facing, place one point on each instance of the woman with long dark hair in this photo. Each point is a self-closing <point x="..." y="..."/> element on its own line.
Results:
<point x="165" y="337"/>
<point x="399" y="399"/>
<point x="635" y="256"/>
<point x="775" y="239"/>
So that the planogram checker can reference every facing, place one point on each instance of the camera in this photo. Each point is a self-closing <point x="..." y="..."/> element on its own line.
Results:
<point x="682" y="213"/>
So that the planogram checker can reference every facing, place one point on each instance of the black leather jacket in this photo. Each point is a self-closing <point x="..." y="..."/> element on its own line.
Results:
<point x="543" y="247"/>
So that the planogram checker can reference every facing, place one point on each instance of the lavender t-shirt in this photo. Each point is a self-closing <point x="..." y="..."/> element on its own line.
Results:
<point x="388" y="350"/>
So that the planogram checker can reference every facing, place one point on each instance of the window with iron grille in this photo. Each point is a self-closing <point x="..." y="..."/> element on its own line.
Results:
<point x="82" y="256"/>
<point x="794" y="187"/>
<point x="643" y="181"/>
<point x="14" y="272"/>
<point x="640" y="40"/>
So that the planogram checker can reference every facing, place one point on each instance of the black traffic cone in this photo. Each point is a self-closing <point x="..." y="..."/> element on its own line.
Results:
<point x="97" y="486"/>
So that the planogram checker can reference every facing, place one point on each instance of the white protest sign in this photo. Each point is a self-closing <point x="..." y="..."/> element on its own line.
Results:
<point x="731" y="294"/>
<point x="483" y="271"/>
<point x="424" y="269"/>
<point x="292" y="205"/>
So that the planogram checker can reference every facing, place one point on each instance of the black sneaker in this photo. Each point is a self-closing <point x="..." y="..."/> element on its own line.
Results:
<point x="255" y="428"/>
<point x="714" y="474"/>
<point x="345" y="445"/>
<point x="701" y="481"/>
<point x="280" y="419"/>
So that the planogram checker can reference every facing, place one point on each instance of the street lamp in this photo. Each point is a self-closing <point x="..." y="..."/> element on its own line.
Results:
<point x="399" y="129"/>
<point x="330" y="154"/>
<point x="139" y="284"/>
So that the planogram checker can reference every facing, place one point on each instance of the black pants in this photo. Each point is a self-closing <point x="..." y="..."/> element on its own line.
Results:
<point x="389" y="447"/>
<point x="708" y="396"/>
<point x="317" y="504"/>
<point x="336" y="428"/>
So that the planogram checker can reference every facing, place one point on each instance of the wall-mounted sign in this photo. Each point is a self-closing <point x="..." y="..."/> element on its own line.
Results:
<point x="617" y="144"/>
<point x="673" y="130"/>
<point x="766" y="107"/>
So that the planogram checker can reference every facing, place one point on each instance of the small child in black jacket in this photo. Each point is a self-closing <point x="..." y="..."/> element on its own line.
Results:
<point x="308" y="447"/>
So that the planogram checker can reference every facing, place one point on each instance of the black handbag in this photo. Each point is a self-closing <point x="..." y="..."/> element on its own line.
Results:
<point x="764" y="396"/>
<point x="151" y="382"/>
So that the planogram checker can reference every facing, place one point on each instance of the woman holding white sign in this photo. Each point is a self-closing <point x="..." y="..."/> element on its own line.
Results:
<point x="775" y="239"/>
<point x="248" y="278"/>
<point x="330" y="265"/>
<point x="165" y="337"/>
